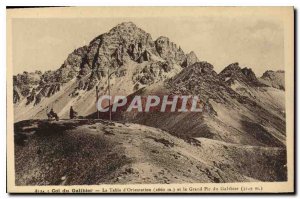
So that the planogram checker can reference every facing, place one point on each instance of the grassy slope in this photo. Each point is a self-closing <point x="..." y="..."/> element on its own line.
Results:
<point x="96" y="152"/>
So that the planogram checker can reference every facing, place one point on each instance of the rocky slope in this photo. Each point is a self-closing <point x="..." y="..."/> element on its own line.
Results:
<point x="83" y="152"/>
<point x="229" y="115"/>
<point x="244" y="82"/>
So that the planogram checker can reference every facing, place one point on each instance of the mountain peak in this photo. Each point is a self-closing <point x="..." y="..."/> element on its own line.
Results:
<point x="126" y="28"/>
<point x="274" y="79"/>
<point x="198" y="70"/>
<point x="249" y="74"/>
<point x="234" y="72"/>
<point x="230" y="71"/>
<point x="232" y="67"/>
<point x="270" y="73"/>
<point x="203" y="65"/>
<point x="123" y="44"/>
<point x="127" y="24"/>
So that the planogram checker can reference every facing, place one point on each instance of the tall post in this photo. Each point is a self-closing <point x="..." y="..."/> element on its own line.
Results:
<point x="97" y="98"/>
<point x="109" y="95"/>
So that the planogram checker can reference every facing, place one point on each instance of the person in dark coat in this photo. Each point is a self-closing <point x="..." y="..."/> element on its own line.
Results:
<point x="52" y="114"/>
<point x="72" y="113"/>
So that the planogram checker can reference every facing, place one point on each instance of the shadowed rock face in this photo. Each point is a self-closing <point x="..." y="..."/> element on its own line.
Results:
<point x="89" y="64"/>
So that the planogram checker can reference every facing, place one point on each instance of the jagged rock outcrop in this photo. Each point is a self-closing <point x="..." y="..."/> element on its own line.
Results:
<point x="169" y="50"/>
<point x="234" y="72"/>
<point x="249" y="74"/>
<point x="191" y="58"/>
<point x="149" y="74"/>
<point x="200" y="79"/>
<point x="24" y="83"/>
<point x="231" y="73"/>
<point x="274" y="78"/>
<point x="34" y="86"/>
<point x="73" y="64"/>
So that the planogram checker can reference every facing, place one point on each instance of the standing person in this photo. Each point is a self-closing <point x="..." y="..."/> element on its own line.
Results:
<point x="72" y="113"/>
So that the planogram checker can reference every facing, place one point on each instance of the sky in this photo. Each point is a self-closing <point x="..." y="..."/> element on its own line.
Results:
<point x="44" y="44"/>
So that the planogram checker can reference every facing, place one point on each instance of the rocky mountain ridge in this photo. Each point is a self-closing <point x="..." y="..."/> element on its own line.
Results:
<point x="89" y="64"/>
<point x="135" y="61"/>
<point x="254" y="118"/>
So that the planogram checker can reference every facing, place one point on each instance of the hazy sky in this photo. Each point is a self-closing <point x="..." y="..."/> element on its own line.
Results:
<point x="43" y="44"/>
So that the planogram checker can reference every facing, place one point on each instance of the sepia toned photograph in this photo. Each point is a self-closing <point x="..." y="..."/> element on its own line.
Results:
<point x="150" y="100"/>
